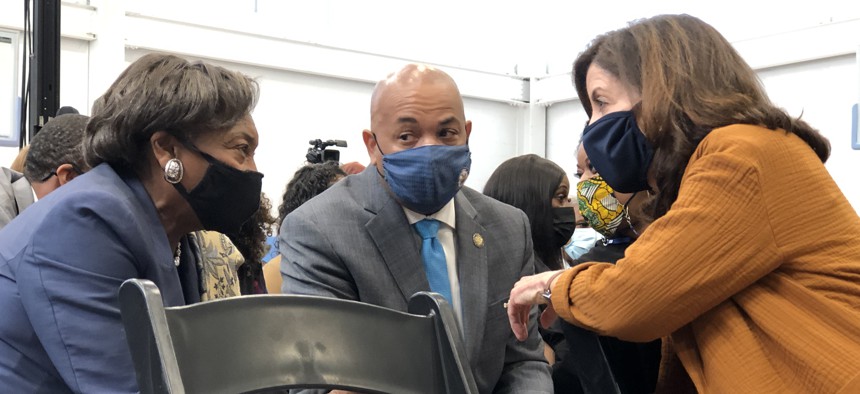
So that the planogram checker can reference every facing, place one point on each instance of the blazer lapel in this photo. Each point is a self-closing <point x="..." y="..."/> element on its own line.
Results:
<point x="400" y="247"/>
<point x="395" y="239"/>
<point x="23" y="194"/>
<point x="472" y="271"/>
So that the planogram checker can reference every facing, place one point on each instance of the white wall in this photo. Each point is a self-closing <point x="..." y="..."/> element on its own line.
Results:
<point x="74" y="60"/>
<point x="564" y="123"/>
<point x="823" y="91"/>
<point x="570" y="25"/>
<point x="495" y="137"/>
<point x="311" y="88"/>
<point x="7" y="155"/>
<point x="295" y="108"/>
<point x="476" y="34"/>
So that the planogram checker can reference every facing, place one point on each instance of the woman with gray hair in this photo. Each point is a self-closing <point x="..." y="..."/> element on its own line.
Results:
<point x="171" y="144"/>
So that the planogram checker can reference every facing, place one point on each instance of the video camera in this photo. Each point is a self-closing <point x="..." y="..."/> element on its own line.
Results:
<point x="318" y="153"/>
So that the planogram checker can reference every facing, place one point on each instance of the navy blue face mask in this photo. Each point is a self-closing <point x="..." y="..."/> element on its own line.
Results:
<point x="619" y="151"/>
<point x="424" y="179"/>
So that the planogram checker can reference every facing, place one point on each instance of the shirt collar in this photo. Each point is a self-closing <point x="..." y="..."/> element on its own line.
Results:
<point x="445" y="215"/>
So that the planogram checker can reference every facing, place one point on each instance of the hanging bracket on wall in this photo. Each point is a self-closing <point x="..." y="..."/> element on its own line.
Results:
<point x="855" y="133"/>
<point x="45" y="67"/>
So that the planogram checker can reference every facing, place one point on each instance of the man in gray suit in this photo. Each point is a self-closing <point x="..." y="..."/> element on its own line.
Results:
<point x="15" y="195"/>
<point x="360" y="239"/>
<point x="55" y="158"/>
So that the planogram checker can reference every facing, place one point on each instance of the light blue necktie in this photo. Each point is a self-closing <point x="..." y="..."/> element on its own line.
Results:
<point x="434" y="258"/>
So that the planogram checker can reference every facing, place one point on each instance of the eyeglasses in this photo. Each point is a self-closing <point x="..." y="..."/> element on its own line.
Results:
<point x="54" y="172"/>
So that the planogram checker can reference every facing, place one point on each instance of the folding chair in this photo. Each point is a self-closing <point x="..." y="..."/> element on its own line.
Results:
<point x="277" y="342"/>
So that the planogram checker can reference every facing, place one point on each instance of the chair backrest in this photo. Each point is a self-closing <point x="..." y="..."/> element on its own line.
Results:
<point x="250" y="343"/>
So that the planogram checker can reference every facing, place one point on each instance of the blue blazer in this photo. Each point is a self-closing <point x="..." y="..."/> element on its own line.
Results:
<point x="61" y="264"/>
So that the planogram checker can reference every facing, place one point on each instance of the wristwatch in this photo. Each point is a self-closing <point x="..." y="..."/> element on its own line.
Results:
<point x="547" y="295"/>
<point x="547" y="292"/>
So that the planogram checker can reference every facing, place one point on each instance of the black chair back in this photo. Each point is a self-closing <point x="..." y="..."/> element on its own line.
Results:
<point x="254" y="343"/>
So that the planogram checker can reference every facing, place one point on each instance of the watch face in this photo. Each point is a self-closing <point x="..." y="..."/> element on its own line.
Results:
<point x="547" y="294"/>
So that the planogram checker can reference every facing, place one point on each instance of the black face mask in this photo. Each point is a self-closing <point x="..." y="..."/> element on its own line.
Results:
<point x="225" y="198"/>
<point x="563" y="224"/>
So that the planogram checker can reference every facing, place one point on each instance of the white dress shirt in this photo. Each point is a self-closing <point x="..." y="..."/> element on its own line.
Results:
<point x="447" y="223"/>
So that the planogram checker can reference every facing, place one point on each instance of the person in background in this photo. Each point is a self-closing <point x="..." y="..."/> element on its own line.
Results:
<point x="16" y="194"/>
<point x="604" y="364"/>
<point x="67" y="110"/>
<point x="406" y="224"/>
<point x="727" y="270"/>
<point x="217" y="261"/>
<point x="171" y="146"/>
<point x="583" y="239"/>
<point x="54" y="157"/>
<point x="18" y="164"/>
<point x="225" y="262"/>
<point x="540" y="189"/>
<point x="300" y="196"/>
<point x="352" y="168"/>
<point x="251" y="242"/>
<point x="308" y="181"/>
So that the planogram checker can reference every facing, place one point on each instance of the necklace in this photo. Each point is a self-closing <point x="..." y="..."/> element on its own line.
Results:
<point x="177" y="254"/>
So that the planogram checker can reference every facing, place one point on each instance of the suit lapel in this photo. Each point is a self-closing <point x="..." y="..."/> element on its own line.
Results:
<point x="23" y="193"/>
<point x="395" y="239"/>
<point x="399" y="246"/>
<point x="472" y="272"/>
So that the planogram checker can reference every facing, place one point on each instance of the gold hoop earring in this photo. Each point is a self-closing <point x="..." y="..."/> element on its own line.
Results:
<point x="173" y="171"/>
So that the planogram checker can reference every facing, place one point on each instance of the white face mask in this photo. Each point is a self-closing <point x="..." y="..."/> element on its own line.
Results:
<point x="582" y="241"/>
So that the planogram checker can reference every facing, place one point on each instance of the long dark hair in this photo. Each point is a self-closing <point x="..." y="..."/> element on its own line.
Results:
<point x="529" y="183"/>
<point x="691" y="81"/>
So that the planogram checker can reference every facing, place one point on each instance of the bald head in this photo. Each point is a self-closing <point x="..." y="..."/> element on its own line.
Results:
<point x="415" y="106"/>
<point x="410" y="78"/>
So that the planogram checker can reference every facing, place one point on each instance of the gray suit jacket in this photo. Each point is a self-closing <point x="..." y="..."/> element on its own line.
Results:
<point x="354" y="242"/>
<point x="15" y="195"/>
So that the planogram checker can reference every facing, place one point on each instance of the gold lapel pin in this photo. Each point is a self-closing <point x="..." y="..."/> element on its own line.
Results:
<point x="478" y="240"/>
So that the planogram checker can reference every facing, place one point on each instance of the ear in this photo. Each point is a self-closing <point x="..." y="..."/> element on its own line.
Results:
<point x="164" y="147"/>
<point x="468" y="128"/>
<point x="65" y="173"/>
<point x="371" y="144"/>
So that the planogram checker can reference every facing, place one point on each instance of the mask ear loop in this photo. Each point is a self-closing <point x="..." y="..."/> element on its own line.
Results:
<point x="378" y="171"/>
<point x="377" y="144"/>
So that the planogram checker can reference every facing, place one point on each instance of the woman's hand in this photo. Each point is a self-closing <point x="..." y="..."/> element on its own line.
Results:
<point x="528" y="291"/>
